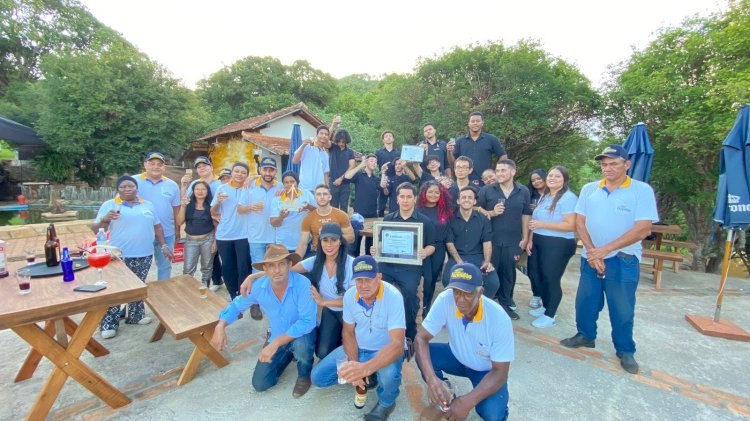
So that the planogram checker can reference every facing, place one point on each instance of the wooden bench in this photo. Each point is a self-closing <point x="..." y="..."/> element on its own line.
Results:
<point x="181" y="312"/>
<point x="676" y="247"/>
<point x="659" y="257"/>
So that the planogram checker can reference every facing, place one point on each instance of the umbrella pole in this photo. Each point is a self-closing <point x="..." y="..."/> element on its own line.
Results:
<point x="724" y="273"/>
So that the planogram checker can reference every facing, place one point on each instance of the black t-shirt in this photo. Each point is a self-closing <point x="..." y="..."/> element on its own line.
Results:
<point x="339" y="162"/>
<point x="441" y="230"/>
<point x="506" y="228"/>
<point x="199" y="222"/>
<point x="480" y="151"/>
<point x="385" y="155"/>
<point x="468" y="236"/>
<point x="428" y="238"/>
<point x="366" y="191"/>
<point x="393" y="183"/>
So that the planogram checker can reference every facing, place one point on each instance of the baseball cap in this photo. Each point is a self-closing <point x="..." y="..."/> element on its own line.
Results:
<point x="268" y="162"/>
<point x="612" y="151"/>
<point x="364" y="267"/>
<point x="225" y="172"/>
<point x="466" y="277"/>
<point x="201" y="160"/>
<point x="331" y="230"/>
<point x="154" y="155"/>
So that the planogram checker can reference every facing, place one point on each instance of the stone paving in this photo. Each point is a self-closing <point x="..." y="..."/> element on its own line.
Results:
<point x="684" y="375"/>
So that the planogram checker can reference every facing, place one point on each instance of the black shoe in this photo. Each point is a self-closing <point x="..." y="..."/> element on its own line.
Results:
<point x="513" y="306"/>
<point x="578" y="341"/>
<point x="627" y="361"/>
<point x="255" y="312"/>
<point x="512" y="314"/>
<point x="379" y="412"/>
<point x="301" y="386"/>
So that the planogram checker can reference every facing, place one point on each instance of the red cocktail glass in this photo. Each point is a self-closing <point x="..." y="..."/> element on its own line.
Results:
<point x="99" y="257"/>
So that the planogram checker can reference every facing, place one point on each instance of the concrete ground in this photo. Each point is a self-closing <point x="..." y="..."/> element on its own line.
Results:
<point x="684" y="375"/>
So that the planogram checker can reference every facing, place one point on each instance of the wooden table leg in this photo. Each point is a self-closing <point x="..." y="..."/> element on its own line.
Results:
<point x="60" y="334"/>
<point x="158" y="333"/>
<point x="657" y="272"/>
<point x="93" y="347"/>
<point x="32" y="360"/>
<point x="67" y="363"/>
<point x="202" y="349"/>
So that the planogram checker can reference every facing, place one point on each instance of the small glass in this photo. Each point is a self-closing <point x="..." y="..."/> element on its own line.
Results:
<point x="189" y="171"/>
<point x="30" y="255"/>
<point x="449" y="391"/>
<point x="116" y="207"/>
<point x="340" y="361"/>
<point x="203" y="290"/>
<point x="23" y="278"/>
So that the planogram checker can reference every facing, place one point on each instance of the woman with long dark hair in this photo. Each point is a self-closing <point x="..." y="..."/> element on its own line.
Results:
<point x="330" y="273"/>
<point x="552" y="243"/>
<point x="536" y="188"/>
<point x="437" y="204"/>
<point x="200" y="244"/>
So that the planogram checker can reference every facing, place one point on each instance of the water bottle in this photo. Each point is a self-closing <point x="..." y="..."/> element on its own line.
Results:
<point x="67" y="266"/>
<point x="101" y="240"/>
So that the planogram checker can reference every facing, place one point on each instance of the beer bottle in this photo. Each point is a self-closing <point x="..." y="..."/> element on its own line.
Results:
<point x="360" y="396"/>
<point x="50" y="249"/>
<point x="57" y="240"/>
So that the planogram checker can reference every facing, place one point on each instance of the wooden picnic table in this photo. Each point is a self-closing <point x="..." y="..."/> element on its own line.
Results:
<point x="53" y="301"/>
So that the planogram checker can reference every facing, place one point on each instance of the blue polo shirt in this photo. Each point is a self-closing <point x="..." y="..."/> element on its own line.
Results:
<point x="233" y="225"/>
<point x="213" y="186"/>
<point x="314" y="163"/>
<point x="476" y="343"/>
<point x="480" y="151"/>
<point x="565" y="206"/>
<point x="260" y="229"/>
<point x="609" y="215"/>
<point x="293" y="315"/>
<point x="371" y="324"/>
<point x="133" y="232"/>
<point x="384" y="155"/>
<point x="366" y="192"/>
<point x="164" y="195"/>
<point x="339" y="161"/>
<point x="288" y="233"/>
<point x="327" y="284"/>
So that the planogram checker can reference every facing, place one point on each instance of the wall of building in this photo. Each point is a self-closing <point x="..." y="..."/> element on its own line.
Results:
<point x="283" y="127"/>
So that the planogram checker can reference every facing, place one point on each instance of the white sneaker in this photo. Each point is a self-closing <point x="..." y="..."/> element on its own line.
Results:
<point x="108" y="334"/>
<point x="535" y="302"/>
<point x="214" y="288"/>
<point x="537" y="311"/>
<point x="544" y="322"/>
<point x="144" y="321"/>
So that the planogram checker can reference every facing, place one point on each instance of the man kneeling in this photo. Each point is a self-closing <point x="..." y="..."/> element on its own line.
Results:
<point x="480" y="347"/>
<point x="373" y="337"/>
<point x="285" y="297"/>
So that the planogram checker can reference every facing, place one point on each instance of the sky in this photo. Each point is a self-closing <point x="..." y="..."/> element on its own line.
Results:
<point x="196" y="38"/>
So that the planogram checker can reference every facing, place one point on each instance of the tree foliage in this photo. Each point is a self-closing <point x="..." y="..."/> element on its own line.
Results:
<point x="684" y="86"/>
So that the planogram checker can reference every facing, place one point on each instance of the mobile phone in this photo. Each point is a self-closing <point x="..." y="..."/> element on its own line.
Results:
<point x="89" y="288"/>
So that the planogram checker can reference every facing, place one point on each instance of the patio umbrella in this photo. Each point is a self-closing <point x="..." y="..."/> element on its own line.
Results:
<point x="294" y="143"/>
<point x="732" y="211"/>
<point x="640" y="152"/>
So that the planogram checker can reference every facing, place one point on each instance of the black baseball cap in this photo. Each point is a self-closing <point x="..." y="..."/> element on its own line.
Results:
<point x="331" y="230"/>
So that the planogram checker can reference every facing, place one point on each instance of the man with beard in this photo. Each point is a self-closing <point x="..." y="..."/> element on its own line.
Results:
<point x="322" y="215"/>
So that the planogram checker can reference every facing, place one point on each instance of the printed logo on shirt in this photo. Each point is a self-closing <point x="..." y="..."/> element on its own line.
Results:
<point x="623" y="209"/>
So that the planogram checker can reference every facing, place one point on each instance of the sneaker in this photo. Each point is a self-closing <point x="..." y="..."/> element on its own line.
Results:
<point x="145" y="321"/>
<point x="535" y="302"/>
<point x="109" y="334"/>
<point x="513" y="305"/>
<point x="544" y="321"/>
<point x="214" y="288"/>
<point x="537" y="312"/>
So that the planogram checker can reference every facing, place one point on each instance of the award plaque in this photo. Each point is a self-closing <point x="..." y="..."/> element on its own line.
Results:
<point x="397" y="242"/>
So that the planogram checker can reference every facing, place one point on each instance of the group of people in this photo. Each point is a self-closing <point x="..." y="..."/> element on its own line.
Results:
<point x="326" y="296"/>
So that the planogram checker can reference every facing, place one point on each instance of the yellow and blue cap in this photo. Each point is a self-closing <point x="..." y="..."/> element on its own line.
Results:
<point x="364" y="267"/>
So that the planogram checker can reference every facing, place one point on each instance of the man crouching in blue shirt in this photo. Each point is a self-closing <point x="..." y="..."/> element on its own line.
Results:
<point x="285" y="297"/>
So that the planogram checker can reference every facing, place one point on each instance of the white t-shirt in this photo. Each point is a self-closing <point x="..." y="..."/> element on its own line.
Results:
<point x="327" y="285"/>
<point x="371" y="326"/>
<point x="488" y="338"/>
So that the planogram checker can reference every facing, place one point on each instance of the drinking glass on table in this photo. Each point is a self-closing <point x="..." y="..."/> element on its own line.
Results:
<point x="23" y="278"/>
<point x="30" y="255"/>
<point x="203" y="290"/>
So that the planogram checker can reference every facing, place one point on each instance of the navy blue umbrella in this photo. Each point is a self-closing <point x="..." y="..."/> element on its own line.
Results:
<point x="732" y="209"/>
<point x="640" y="152"/>
<point x="294" y="143"/>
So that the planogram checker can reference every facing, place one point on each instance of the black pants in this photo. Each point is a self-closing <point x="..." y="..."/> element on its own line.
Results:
<point x="340" y="196"/>
<point x="407" y="281"/>
<point x="382" y="202"/>
<point x="216" y="274"/>
<point x="428" y="288"/>
<point x="355" y="251"/>
<point x="490" y="280"/>
<point x="504" y="260"/>
<point x="329" y="332"/>
<point x="235" y="258"/>
<point x="547" y="263"/>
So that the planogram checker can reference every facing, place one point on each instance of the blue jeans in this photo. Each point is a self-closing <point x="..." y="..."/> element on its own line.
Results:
<point x="389" y="377"/>
<point x="257" y="253"/>
<point x="163" y="265"/>
<point x="266" y="375"/>
<point x="493" y="407"/>
<point x="619" y="284"/>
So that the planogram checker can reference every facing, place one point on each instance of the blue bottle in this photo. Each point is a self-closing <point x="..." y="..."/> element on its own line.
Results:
<point x="67" y="266"/>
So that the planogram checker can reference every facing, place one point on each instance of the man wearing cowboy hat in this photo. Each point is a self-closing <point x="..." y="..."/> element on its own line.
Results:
<point x="285" y="298"/>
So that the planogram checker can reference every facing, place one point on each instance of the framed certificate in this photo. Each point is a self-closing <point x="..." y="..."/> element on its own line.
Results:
<point x="411" y="153"/>
<point x="397" y="242"/>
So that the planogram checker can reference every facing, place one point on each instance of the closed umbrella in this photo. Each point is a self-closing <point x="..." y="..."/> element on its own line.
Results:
<point x="640" y="152"/>
<point x="732" y="211"/>
<point x="294" y="143"/>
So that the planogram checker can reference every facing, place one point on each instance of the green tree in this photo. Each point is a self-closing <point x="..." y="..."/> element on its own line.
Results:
<point x="684" y="86"/>
<point x="312" y="86"/>
<point x="104" y="111"/>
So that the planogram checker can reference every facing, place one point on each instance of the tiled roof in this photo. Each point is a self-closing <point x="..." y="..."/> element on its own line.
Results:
<point x="278" y="145"/>
<point x="255" y="122"/>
